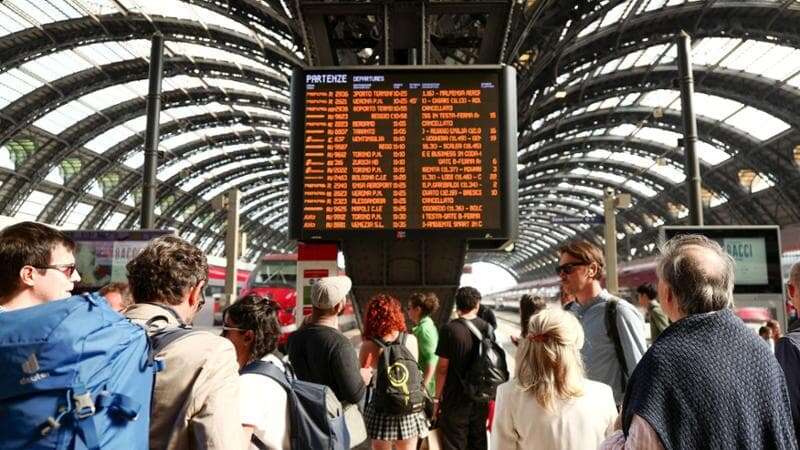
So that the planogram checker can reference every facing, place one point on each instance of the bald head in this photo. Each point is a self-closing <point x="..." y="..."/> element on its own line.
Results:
<point x="698" y="273"/>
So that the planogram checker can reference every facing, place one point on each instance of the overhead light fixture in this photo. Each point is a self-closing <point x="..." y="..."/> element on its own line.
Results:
<point x="705" y="197"/>
<point x="746" y="177"/>
<point x="796" y="154"/>
<point x="561" y="94"/>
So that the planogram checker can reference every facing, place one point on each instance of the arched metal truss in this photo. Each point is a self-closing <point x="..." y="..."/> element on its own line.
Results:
<point x="245" y="93"/>
<point x="597" y="110"/>
<point x="597" y="80"/>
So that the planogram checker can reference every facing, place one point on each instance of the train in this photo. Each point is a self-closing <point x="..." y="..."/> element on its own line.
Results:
<point x="275" y="276"/>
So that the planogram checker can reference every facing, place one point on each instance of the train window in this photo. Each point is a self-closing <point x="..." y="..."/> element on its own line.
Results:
<point x="275" y="272"/>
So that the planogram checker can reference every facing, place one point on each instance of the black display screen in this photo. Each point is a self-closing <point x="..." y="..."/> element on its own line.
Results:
<point x="403" y="150"/>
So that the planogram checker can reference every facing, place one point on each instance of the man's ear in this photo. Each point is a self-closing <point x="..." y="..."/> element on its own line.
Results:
<point x="249" y="336"/>
<point x="791" y="290"/>
<point x="195" y="294"/>
<point x="26" y="274"/>
<point x="594" y="271"/>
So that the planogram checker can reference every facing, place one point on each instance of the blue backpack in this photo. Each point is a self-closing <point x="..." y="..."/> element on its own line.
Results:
<point x="74" y="375"/>
<point x="316" y="417"/>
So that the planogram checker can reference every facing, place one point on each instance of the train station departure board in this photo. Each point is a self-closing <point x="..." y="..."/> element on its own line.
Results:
<point x="403" y="151"/>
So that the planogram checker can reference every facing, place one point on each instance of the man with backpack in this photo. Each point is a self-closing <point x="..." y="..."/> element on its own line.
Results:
<point x="465" y="381"/>
<point x="614" y="329"/>
<point x="196" y="395"/>
<point x="322" y="354"/>
<point x="75" y="374"/>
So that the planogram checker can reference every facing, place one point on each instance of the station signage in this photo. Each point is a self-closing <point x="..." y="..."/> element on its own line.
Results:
<point x="402" y="150"/>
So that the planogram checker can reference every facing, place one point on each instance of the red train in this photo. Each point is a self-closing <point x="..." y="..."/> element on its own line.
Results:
<point x="275" y="275"/>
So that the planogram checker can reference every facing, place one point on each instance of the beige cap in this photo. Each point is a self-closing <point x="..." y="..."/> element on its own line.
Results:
<point x="330" y="291"/>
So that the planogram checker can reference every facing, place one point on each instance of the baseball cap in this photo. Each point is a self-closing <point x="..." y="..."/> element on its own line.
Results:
<point x="330" y="291"/>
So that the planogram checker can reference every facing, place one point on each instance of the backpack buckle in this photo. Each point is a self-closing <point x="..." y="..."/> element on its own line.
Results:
<point x="84" y="405"/>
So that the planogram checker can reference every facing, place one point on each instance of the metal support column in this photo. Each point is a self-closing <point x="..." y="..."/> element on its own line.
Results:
<point x="149" y="181"/>
<point x="609" y="208"/>
<point x="689" y="129"/>
<point x="232" y="246"/>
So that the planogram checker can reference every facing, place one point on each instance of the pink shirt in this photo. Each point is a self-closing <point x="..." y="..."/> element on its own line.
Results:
<point x="641" y="436"/>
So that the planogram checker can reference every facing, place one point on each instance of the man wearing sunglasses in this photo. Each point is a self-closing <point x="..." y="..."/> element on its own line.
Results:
<point x="609" y="354"/>
<point x="38" y="265"/>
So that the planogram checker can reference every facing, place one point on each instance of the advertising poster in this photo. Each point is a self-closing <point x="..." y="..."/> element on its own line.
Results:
<point x="750" y="255"/>
<point x="124" y="252"/>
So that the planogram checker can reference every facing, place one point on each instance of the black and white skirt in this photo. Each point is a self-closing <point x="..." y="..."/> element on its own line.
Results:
<point x="386" y="427"/>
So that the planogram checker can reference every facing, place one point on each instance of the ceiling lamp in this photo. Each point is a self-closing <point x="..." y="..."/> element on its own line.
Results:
<point x="746" y="177"/>
<point x="705" y="197"/>
<point x="796" y="154"/>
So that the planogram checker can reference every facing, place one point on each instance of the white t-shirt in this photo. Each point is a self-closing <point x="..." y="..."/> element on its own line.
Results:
<point x="263" y="406"/>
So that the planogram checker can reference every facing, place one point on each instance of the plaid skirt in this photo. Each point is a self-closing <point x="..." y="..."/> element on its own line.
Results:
<point x="386" y="427"/>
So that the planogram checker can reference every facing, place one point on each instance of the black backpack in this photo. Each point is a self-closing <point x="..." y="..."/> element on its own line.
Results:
<point x="398" y="389"/>
<point x="489" y="369"/>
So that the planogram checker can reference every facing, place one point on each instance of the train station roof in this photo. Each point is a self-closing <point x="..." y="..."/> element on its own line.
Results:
<point x="598" y="107"/>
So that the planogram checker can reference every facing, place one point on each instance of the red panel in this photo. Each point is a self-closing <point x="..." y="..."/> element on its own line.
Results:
<point x="216" y="273"/>
<point x="242" y="275"/>
<point x="317" y="252"/>
<point x="315" y="273"/>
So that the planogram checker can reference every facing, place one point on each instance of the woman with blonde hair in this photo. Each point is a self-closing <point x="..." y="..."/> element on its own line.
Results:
<point x="550" y="404"/>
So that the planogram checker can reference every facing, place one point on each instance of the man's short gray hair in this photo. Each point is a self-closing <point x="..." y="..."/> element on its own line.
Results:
<point x="794" y="275"/>
<point x="698" y="289"/>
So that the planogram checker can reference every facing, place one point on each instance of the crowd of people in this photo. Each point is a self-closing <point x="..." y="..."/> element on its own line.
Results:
<point x="584" y="377"/>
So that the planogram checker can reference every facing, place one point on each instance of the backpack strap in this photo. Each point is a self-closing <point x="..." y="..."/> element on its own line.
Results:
<point x="163" y="338"/>
<point x="476" y="332"/>
<point x="613" y="333"/>
<point x="169" y="310"/>
<point x="257" y="442"/>
<point x="269" y="370"/>
<point x="379" y="342"/>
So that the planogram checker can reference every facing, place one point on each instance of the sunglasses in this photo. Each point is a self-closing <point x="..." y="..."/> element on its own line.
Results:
<point x="568" y="268"/>
<point x="66" y="269"/>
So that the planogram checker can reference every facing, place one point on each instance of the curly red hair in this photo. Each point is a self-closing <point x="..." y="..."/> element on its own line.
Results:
<point x="384" y="315"/>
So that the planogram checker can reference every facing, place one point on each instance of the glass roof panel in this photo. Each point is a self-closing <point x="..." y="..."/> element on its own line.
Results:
<point x="668" y="138"/>
<point x="60" y="119"/>
<point x="187" y="49"/>
<point x="55" y="176"/>
<point x="33" y="205"/>
<point x="586" y="189"/>
<point x="53" y="66"/>
<point x="711" y="154"/>
<point x="659" y="97"/>
<point x="641" y="188"/>
<point x="114" y="221"/>
<point x="134" y="160"/>
<point x="5" y="158"/>
<point x="175" y="8"/>
<point x="240" y="180"/>
<point x="758" y="123"/>
<point x="709" y="51"/>
<point x="14" y="83"/>
<point x="77" y="215"/>
<point x="191" y="183"/>
<point x="761" y="182"/>
<point x="712" y="106"/>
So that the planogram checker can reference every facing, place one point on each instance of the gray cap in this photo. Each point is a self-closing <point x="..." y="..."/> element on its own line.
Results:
<point x="330" y="291"/>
